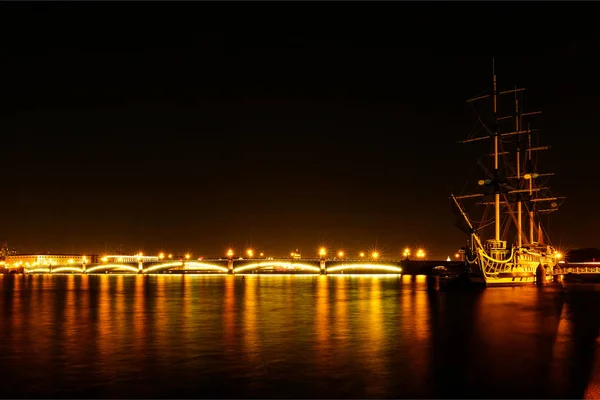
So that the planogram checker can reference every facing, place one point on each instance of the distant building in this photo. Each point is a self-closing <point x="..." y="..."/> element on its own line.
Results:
<point x="120" y="259"/>
<point x="46" y="260"/>
<point x="296" y="255"/>
<point x="5" y="251"/>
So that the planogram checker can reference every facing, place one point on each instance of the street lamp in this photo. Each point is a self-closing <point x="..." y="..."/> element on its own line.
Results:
<point x="187" y="256"/>
<point x="375" y="255"/>
<point x="322" y="251"/>
<point x="420" y="253"/>
<point x="406" y="252"/>
<point x="161" y="256"/>
<point x="250" y="253"/>
<point x="341" y="254"/>
<point x="361" y="254"/>
<point x="229" y="253"/>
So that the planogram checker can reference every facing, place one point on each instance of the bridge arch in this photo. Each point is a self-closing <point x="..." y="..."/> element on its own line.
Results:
<point x="193" y="265"/>
<point x="284" y="264"/>
<point x="106" y="267"/>
<point x="158" y="267"/>
<point x="67" y="269"/>
<point x="37" y="270"/>
<point x="380" y="267"/>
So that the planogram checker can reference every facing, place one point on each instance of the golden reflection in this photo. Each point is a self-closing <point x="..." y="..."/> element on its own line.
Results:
<point x="82" y="283"/>
<point x="341" y="310"/>
<point x="103" y="337"/>
<point x="118" y="311"/>
<point x="17" y="304"/>
<point x="375" y="345"/>
<point x="70" y="308"/>
<point x="229" y="311"/>
<point x="250" y="314"/>
<point x="322" y="312"/>
<point x="139" y="313"/>
<point x="361" y="294"/>
<point x="322" y="354"/>
<point x="160" y="317"/>
<point x="186" y="307"/>
<point x="415" y="320"/>
<point x="36" y="292"/>
<point x="70" y="340"/>
<point x="44" y="288"/>
<point x="420" y="307"/>
<point x="375" y="303"/>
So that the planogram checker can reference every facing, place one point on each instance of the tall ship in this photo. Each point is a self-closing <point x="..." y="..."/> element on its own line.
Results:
<point x="509" y="197"/>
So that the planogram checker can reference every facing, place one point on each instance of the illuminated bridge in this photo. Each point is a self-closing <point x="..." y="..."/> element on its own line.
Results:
<point x="245" y="266"/>
<point x="578" y="268"/>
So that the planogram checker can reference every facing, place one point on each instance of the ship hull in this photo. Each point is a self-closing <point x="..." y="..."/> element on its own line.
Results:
<point x="516" y="280"/>
<point x="528" y="269"/>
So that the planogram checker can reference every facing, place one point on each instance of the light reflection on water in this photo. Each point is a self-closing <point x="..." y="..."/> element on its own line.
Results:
<point x="102" y="336"/>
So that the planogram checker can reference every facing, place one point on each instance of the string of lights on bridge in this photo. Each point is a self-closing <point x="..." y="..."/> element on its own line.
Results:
<point x="251" y="253"/>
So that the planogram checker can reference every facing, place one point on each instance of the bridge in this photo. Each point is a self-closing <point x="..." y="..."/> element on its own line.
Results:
<point x="244" y="266"/>
<point x="578" y="268"/>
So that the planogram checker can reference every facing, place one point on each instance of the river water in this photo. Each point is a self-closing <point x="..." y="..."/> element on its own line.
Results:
<point x="173" y="336"/>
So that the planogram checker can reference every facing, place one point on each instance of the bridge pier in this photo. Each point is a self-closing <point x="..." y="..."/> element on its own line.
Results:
<point x="140" y="267"/>
<point x="323" y="268"/>
<point x="230" y="266"/>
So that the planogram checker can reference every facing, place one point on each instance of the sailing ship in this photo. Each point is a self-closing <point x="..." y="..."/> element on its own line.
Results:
<point x="502" y="249"/>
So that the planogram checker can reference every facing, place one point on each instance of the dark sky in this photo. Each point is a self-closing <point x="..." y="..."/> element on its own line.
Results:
<point x="200" y="126"/>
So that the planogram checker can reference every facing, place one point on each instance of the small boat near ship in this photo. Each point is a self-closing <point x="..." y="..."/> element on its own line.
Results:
<point x="509" y="187"/>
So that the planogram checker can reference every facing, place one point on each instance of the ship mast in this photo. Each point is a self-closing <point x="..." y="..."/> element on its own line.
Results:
<point x="496" y="183"/>
<point x="524" y="171"/>
<point x="519" y="204"/>
<point x="530" y="165"/>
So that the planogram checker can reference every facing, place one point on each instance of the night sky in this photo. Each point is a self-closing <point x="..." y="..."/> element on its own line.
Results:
<point x="202" y="126"/>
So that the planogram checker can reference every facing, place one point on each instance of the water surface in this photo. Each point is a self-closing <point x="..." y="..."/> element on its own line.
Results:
<point x="172" y="336"/>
